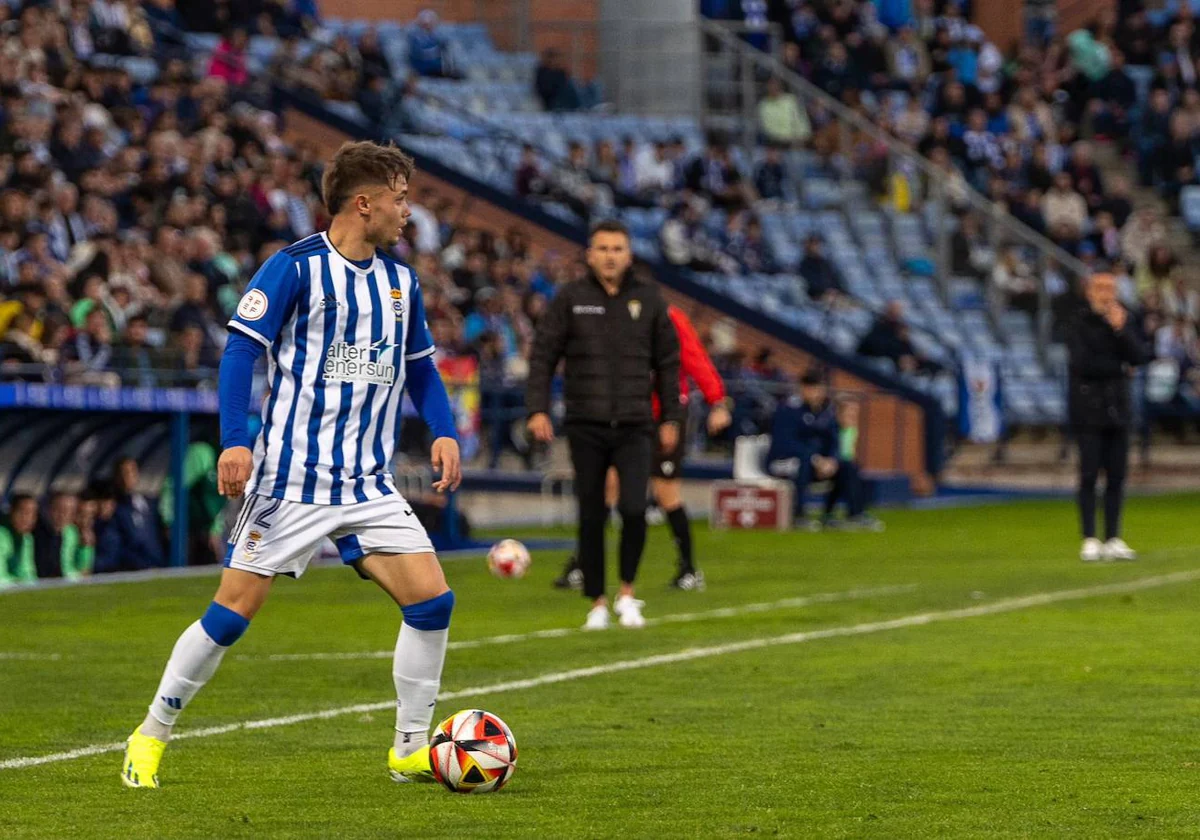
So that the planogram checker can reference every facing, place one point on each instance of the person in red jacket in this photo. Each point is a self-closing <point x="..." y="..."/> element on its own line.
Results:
<point x="666" y="481"/>
<point x="666" y="478"/>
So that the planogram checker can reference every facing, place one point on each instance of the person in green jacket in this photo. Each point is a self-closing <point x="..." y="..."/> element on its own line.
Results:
<point x="206" y="526"/>
<point x="16" y="542"/>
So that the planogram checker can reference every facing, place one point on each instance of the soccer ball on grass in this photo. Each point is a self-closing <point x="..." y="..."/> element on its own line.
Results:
<point x="473" y="751"/>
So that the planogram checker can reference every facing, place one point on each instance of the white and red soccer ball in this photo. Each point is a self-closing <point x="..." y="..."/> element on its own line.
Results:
<point x="508" y="559"/>
<point x="473" y="751"/>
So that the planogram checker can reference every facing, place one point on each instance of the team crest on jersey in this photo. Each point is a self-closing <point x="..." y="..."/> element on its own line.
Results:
<point x="252" y="541"/>
<point x="635" y="309"/>
<point x="398" y="303"/>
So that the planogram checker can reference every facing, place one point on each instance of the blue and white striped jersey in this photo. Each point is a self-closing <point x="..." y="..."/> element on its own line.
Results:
<point x="338" y="335"/>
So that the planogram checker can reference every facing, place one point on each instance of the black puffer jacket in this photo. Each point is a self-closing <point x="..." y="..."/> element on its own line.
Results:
<point x="1101" y="359"/>
<point x="617" y="349"/>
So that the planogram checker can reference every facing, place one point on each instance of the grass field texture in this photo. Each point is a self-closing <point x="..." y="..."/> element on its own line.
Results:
<point x="961" y="675"/>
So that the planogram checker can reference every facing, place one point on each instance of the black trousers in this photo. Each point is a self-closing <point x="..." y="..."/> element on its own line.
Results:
<point x="1102" y="449"/>
<point x="594" y="448"/>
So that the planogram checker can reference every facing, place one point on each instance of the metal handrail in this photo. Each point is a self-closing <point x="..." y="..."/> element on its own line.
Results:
<point x="974" y="197"/>
<point x="993" y="213"/>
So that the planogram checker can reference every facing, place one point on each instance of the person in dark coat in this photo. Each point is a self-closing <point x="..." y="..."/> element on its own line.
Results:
<point x="136" y="538"/>
<point x="1103" y="347"/>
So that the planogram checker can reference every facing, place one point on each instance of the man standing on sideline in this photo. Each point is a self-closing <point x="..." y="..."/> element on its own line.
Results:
<point x="1104" y="348"/>
<point x="666" y="480"/>
<point x="619" y="345"/>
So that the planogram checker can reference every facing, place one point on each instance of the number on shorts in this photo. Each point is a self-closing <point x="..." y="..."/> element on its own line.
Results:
<point x="263" y="520"/>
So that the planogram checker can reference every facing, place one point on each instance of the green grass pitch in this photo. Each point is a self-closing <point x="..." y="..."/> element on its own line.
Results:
<point x="1073" y="715"/>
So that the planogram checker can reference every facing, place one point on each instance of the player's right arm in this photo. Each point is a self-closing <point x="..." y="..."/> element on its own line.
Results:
<point x="549" y="344"/>
<point x="267" y="303"/>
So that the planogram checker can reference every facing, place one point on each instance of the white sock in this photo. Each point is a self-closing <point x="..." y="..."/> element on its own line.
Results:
<point x="417" y="671"/>
<point x="193" y="662"/>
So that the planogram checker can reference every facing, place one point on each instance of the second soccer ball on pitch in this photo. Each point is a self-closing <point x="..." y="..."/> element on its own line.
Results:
<point x="473" y="751"/>
<point x="508" y="559"/>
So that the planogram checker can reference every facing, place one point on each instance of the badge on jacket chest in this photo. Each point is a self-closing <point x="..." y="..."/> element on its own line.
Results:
<point x="635" y="309"/>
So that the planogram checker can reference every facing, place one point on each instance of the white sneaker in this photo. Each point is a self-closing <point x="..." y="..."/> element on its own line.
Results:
<point x="629" y="611"/>
<point x="597" y="619"/>
<point x="1116" y="549"/>
<point x="1092" y="551"/>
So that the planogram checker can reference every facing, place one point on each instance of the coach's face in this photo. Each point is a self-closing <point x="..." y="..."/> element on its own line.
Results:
<point x="1101" y="292"/>
<point x="389" y="212"/>
<point x="608" y="255"/>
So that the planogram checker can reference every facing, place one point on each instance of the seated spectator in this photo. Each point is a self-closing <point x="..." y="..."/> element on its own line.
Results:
<point x="849" y="487"/>
<point x="428" y="52"/>
<point x="89" y="357"/>
<point x="654" y="173"/>
<point x="1064" y="210"/>
<point x="553" y="84"/>
<point x="137" y="361"/>
<point x="1154" y="272"/>
<point x="1013" y="278"/>
<point x="529" y="181"/>
<point x="132" y="537"/>
<point x="59" y="550"/>
<point x="714" y="176"/>
<point x="744" y="242"/>
<point x="17" y="560"/>
<point x="781" y="117"/>
<point x="229" y="58"/>
<point x="888" y="339"/>
<point x="913" y="122"/>
<point x="821" y="277"/>
<point x="970" y="253"/>
<point x="806" y="446"/>
<point x="908" y="59"/>
<point x="771" y="175"/>
<point x="685" y="242"/>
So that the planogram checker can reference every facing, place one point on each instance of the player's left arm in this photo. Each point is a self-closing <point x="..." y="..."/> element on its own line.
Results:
<point x="698" y="367"/>
<point x="428" y="393"/>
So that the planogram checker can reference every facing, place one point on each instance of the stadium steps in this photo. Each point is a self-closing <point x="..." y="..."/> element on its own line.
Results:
<point x="1183" y="242"/>
<point x="1033" y="464"/>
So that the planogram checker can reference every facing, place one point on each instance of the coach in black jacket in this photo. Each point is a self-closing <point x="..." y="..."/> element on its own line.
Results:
<point x="619" y="346"/>
<point x="1104" y="348"/>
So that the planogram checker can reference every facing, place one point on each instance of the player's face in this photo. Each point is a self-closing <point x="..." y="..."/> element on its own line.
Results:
<point x="389" y="214"/>
<point x="608" y="255"/>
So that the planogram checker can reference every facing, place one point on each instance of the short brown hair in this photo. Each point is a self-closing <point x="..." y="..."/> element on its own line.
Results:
<point x="608" y="226"/>
<point x="360" y="164"/>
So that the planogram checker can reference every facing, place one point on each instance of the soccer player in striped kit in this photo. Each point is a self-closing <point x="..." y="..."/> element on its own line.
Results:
<point x="344" y="328"/>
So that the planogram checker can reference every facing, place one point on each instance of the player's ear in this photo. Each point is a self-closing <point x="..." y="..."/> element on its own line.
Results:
<point x="362" y="203"/>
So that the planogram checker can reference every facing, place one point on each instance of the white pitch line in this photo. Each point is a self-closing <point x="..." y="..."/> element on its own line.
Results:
<point x="560" y="632"/>
<point x="1004" y="605"/>
<point x="22" y="656"/>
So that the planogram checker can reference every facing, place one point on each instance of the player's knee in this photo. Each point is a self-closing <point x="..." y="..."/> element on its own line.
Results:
<point x="433" y="614"/>
<point x="223" y="625"/>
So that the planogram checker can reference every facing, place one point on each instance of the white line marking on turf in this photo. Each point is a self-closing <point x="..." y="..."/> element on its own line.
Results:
<point x="560" y="632"/>
<point x="30" y="657"/>
<point x="1004" y="605"/>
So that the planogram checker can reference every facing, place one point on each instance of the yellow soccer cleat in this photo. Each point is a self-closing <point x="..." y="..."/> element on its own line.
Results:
<point x="142" y="755"/>
<point x="411" y="768"/>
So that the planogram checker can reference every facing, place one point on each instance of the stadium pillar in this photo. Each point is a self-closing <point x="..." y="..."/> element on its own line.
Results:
<point x="180" y="438"/>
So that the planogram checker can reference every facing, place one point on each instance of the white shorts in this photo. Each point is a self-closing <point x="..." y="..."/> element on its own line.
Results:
<point x="278" y="537"/>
